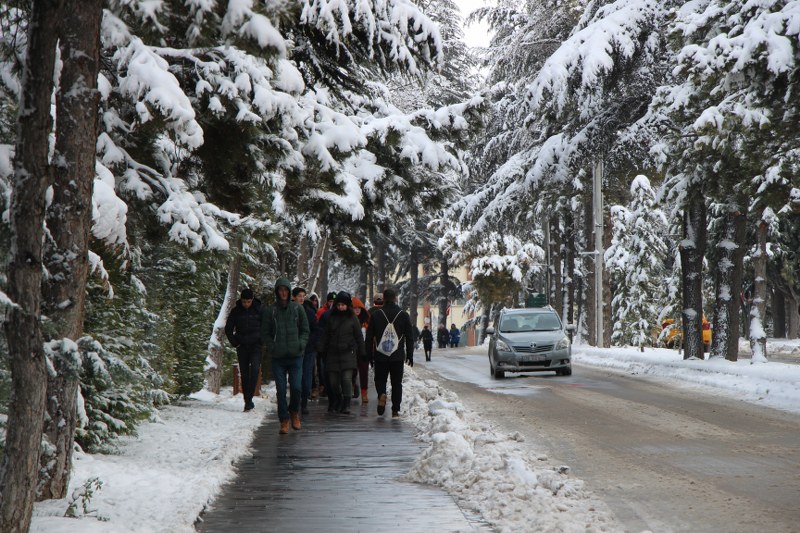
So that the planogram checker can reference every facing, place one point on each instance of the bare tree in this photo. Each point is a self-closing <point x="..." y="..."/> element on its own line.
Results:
<point x="216" y="346"/>
<point x="32" y="177"/>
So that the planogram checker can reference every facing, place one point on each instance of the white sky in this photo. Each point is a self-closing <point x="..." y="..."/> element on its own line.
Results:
<point x="474" y="34"/>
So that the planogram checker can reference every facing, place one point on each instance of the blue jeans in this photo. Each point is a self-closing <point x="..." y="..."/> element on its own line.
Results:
<point x="308" y="371"/>
<point x="280" y="367"/>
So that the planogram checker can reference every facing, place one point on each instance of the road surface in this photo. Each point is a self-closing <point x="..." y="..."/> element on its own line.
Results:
<point x="663" y="458"/>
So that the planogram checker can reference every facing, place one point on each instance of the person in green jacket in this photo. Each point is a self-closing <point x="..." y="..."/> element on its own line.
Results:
<point x="284" y="329"/>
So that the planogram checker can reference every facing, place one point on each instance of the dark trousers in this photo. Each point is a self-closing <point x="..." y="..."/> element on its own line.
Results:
<point x="428" y="346"/>
<point x="249" y="364"/>
<point x="393" y="370"/>
<point x="308" y="373"/>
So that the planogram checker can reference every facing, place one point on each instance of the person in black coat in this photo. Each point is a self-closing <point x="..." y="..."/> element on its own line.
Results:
<point x="342" y="344"/>
<point x="243" y="329"/>
<point x="390" y="365"/>
<point x="443" y="336"/>
<point x="427" y="341"/>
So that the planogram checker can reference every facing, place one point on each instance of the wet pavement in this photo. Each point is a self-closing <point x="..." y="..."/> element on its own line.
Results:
<point x="339" y="473"/>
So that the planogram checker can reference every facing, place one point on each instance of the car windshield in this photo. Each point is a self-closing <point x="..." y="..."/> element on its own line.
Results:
<point x="532" y="322"/>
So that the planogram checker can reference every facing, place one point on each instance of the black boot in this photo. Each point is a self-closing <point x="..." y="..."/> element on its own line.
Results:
<point x="345" y="407"/>
<point x="333" y="403"/>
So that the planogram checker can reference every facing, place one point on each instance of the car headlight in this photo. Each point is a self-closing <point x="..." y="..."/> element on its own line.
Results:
<point x="563" y="344"/>
<point x="502" y="346"/>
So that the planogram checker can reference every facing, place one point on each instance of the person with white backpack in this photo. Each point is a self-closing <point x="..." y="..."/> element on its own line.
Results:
<point x="389" y="344"/>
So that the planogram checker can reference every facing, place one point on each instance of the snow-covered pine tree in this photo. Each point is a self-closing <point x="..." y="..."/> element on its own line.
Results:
<point x="729" y="110"/>
<point x="636" y="261"/>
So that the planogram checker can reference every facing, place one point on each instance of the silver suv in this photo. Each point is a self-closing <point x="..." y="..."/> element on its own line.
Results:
<point x="530" y="340"/>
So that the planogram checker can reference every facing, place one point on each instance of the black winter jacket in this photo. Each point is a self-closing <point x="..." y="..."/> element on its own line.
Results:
<point x="379" y="319"/>
<point x="342" y="341"/>
<point x="243" y="327"/>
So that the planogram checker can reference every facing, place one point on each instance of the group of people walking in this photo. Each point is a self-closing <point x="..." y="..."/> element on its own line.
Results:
<point x="340" y="339"/>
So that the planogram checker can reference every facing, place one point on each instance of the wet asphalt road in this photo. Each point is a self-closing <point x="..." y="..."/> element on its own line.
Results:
<point x="663" y="458"/>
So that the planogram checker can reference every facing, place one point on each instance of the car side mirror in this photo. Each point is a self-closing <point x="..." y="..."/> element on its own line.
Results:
<point x="490" y="330"/>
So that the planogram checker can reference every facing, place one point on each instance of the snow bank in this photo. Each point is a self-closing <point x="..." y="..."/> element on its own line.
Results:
<point x="162" y="479"/>
<point x="494" y="474"/>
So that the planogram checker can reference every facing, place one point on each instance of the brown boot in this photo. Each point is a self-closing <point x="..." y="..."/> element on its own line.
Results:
<point x="314" y="393"/>
<point x="284" y="427"/>
<point x="381" y="404"/>
<point x="364" y="398"/>
<point x="295" y="419"/>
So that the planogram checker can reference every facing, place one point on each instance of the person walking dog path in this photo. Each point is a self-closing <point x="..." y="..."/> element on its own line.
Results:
<point x="339" y="474"/>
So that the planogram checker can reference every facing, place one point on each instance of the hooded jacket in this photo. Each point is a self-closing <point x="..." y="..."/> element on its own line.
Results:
<point x="243" y="327"/>
<point x="284" y="326"/>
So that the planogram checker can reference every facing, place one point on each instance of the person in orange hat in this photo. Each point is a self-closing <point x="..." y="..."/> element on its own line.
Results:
<point x="363" y="364"/>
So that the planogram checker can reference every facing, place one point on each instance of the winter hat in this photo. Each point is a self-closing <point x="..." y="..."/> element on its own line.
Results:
<point x="331" y="296"/>
<point x="247" y="294"/>
<point x="344" y="298"/>
<point x="313" y="296"/>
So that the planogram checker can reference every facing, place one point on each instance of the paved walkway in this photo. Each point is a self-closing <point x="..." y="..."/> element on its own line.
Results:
<point x="337" y="474"/>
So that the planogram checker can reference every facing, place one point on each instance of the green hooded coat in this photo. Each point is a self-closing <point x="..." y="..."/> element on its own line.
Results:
<point x="284" y="326"/>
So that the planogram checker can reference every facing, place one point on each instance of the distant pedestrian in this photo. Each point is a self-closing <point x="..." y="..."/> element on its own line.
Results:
<point x="310" y="352"/>
<point x="285" y="333"/>
<point x="342" y="343"/>
<point x="442" y="336"/>
<point x="243" y="329"/>
<point x="455" y="336"/>
<point x="415" y="329"/>
<point x="427" y="341"/>
<point x="390" y="365"/>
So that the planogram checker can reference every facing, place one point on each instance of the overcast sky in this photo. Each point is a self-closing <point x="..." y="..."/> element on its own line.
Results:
<point x="475" y="34"/>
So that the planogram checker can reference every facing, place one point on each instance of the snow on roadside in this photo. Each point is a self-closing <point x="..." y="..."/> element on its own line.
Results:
<point x="772" y="384"/>
<point x="495" y="474"/>
<point x="163" y="478"/>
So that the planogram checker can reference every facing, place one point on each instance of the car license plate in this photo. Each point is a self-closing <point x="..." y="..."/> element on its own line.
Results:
<point x="532" y="358"/>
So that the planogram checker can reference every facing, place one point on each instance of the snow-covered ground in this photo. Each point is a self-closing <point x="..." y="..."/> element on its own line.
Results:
<point x="160" y="480"/>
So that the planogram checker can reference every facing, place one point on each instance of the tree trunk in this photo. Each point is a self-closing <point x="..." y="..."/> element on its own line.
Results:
<point x="216" y="345"/>
<point x="793" y="316"/>
<point x="323" y="268"/>
<point x="69" y="221"/>
<point x="363" y="282"/>
<point x="302" y="263"/>
<point x="758" y="335"/>
<point x="692" y="252"/>
<point x="316" y="268"/>
<point x="608" y="323"/>
<point x="728" y="286"/>
<point x="554" y="277"/>
<point x="380" y="250"/>
<point x="444" y="301"/>
<point x="778" y="314"/>
<point x="588" y="261"/>
<point x="569" y="269"/>
<point x="413" y="286"/>
<point x="32" y="177"/>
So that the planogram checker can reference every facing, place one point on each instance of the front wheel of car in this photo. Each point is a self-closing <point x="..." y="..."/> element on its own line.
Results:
<point x="564" y="371"/>
<point x="498" y="374"/>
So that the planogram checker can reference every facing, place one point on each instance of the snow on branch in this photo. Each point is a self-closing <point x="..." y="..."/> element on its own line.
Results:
<point x="398" y="25"/>
<point x="576" y="70"/>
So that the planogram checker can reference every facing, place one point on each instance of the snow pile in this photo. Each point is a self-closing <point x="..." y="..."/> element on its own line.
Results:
<point x="495" y="474"/>
<point x="162" y="479"/>
<point x="774" y="384"/>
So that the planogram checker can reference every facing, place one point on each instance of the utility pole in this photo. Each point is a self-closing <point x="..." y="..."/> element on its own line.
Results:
<point x="597" y="207"/>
